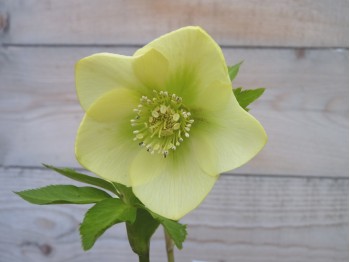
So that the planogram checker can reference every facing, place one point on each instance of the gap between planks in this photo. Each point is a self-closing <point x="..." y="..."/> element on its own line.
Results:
<point x="43" y="45"/>
<point x="289" y="176"/>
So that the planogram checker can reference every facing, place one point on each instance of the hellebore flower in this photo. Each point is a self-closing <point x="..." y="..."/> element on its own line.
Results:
<point x="164" y="121"/>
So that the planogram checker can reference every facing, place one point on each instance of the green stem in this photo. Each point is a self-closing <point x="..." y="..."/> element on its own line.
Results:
<point x="140" y="233"/>
<point x="169" y="245"/>
<point x="144" y="258"/>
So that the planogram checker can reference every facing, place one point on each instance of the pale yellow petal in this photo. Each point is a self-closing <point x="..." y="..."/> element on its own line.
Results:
<point x="104" y="143"/>
<point x="208" y="102"/>
<point x="99" y="73"/>
<point x="236" y="135"/>
<point x="175" y="185"/>
<point x="196" y="62"/>
<point x="152" y="69"/>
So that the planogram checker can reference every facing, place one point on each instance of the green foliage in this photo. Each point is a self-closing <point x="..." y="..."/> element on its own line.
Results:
<point x="102" y="216"/>
<point x="246" y="97"/>
<point x="141" y="231"/>
<point x="72" y="174"/>
<point x="141" y="223"/>
<point x="175" y="230"/>
<point x="63" y="194"/>
<point x="233" y="70"/>
<point x="126" y="194"/>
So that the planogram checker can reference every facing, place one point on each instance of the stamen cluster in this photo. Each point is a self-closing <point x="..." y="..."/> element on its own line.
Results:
<point x="161" y="122"/>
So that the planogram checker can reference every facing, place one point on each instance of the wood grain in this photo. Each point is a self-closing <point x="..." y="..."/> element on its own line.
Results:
<point x="322" y="23"/>
<point x="304" y="110"/>
<point x="281" y="219"/>
<point x="292" y="206"/>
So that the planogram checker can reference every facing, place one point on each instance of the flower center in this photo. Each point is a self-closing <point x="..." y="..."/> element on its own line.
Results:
<point x="161" y="122"/>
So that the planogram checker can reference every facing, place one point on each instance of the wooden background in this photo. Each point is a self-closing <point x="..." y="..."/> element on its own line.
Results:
<point x="289" y="204"/>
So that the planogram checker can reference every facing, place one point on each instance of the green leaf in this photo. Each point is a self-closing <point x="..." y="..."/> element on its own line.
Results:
<point x="246" y="97"/>
<point x="63" y="194"/>
<point x="72" y="174"/>
<point x="175" y="230"/>
<point x="233" y="70"/>
<point x="126" y="194"/>
<point x="102" y="216"/>
<point x="141" y="231"/>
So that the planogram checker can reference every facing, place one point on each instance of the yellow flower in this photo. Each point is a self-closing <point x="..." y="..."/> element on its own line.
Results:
<point x="164" y="121"/>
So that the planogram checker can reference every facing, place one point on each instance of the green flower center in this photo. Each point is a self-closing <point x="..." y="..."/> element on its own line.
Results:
<point x="161" y="122"/>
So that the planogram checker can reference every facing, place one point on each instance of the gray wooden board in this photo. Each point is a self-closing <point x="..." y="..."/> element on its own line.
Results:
<point x="287" y="219"/>
<point x="304" y="110"/>
<point x="232" y="22"/>
<point x="293" y="204"/>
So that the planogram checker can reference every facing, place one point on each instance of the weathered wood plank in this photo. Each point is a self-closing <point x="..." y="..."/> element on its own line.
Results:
<point x="231" y="22"/>
<point x="245" y="218"/>
<point x="305" y="108"/>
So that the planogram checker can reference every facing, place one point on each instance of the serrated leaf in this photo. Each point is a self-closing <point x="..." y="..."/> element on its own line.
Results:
<point x="102" y="216"/>
<point x="175" y="230"/>
<point x="233" y="70"/>
<point x="246" y="97"/>
<point x="141" y="231"/>
<point x="72" y="174"/>
<point x="63" y="194"/>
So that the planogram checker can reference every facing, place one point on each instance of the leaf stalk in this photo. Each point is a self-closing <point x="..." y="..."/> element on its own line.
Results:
<point x="169" y="245"/>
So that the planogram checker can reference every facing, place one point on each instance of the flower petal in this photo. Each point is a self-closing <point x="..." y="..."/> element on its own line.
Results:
<point x="175" y="185"/>
<point x="104" y="143"/>
<point x="102" y="72"/>
<point x="209" y="103"/>
<point x="152" y="69"/>
<point x="236" y="135"/>
<point x="195" y="63"/>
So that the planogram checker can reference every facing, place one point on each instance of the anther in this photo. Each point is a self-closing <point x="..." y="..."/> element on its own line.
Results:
<point x="176" y="117"/>
<point x="139" y="136"/>
<point x="163" y="109"/>
<point x="176" y="126"/>
<point x="155" y="114"/>
<point x="160" y="122"/>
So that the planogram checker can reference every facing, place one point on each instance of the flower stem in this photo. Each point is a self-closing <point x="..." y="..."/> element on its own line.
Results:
<point x="144" y="258"/>
<point x="169" y="245"/>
